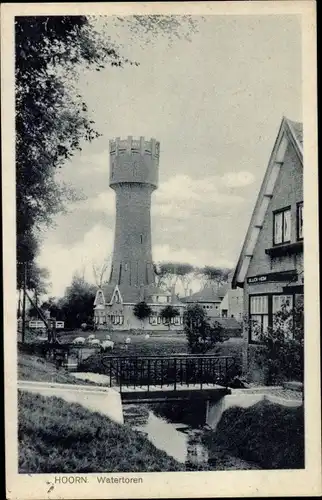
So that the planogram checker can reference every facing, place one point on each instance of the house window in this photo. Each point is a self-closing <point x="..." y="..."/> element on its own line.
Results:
<point x="299" y="221"/>
<point x="280" y="301"/>
<point x="282" y="226"/>
<point x="224" y="313"/>
<point x="263" y="309"/>
<point x="258" y="316"/>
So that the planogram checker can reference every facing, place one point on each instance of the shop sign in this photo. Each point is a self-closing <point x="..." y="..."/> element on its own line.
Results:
<point x="263" y="278"/>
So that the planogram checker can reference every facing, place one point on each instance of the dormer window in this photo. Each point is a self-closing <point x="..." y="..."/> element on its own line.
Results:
<point x="117" y="297"/>
<point x="282" y="226"/>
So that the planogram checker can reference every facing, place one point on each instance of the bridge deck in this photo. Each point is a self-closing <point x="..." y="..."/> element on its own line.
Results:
<point x="131" y="394"/>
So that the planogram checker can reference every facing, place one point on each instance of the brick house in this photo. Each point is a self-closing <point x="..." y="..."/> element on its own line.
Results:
<point x="114" y="304"/>
<point x="270" y="266"/>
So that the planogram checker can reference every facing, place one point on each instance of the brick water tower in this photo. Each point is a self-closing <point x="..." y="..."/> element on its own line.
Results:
<point x="134" y="166"/>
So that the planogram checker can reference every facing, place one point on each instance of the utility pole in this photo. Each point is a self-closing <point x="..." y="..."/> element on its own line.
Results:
<point x="24" y="302"/>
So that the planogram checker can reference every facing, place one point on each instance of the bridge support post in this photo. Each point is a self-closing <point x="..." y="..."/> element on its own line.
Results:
<point x="214" y="411"/>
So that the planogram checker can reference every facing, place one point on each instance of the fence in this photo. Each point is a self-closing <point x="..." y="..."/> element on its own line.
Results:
<point x="162" y="371"/>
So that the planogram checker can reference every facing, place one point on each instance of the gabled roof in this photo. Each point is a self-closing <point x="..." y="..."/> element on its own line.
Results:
<point x="208" y="294"/>
<point x="289" y="132"/>
<point x="132" y="294"/>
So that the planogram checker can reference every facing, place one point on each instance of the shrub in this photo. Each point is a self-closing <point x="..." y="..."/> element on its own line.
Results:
<point x="282" y="347"/>
<point x="168" y="313"/>
<point x="268" y="434"/>
<point x="201" y="336"/>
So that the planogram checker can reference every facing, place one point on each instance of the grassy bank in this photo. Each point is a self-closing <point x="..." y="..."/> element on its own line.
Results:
<point x="267" y="434"/>
<point x="36" y="368"/>
<point x="58" y="437"/>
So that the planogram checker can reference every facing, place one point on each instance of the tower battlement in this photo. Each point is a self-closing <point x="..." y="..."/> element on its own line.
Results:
<point x="134" y="161"/>
<point x="130" y="145"/>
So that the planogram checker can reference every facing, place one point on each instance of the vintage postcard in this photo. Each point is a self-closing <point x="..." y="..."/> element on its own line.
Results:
<point x="160" y="212"/>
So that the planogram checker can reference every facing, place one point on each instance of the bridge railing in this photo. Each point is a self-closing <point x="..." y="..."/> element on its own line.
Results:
<point x="163" y="371"/>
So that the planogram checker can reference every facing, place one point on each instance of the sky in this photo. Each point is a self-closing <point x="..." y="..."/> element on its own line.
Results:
<point x="215" y="104"/>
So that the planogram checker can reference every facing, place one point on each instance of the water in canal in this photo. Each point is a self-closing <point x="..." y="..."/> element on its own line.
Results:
<point x="178" y="431"/>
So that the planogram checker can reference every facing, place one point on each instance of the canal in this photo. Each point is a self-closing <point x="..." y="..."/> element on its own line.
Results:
<point x="179" y="431"/>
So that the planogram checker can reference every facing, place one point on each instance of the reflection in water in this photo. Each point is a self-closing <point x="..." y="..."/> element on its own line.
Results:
<point x="178" y="440"/>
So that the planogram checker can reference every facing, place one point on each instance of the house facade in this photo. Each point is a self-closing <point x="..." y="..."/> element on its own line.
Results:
<point x="208" y="298"/>
<point x="114" y="304"/>
<point x="270" y="268"/>
<point x="232" y="304"/>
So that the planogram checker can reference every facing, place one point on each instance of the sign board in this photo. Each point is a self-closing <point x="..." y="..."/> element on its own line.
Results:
<point x="37" y="324"/>
<point x="272" y="277"/>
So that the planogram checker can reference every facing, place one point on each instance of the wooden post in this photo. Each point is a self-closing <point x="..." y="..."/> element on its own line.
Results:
<point x="23" y="333"/>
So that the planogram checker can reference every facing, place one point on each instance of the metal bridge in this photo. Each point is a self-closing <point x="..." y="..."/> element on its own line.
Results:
<point x="169" y="378"/>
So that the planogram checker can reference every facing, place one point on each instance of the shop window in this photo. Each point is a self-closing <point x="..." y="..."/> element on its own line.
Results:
<point x="258" y="316"/>
<point x="282" y="226"/>
<point x="299" y="221"/>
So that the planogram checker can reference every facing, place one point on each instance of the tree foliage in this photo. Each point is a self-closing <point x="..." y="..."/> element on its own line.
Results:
<point x="214" y="275"/>
<point x="142" y="310"/>
<point x="169" y="312"/>
<point x="201" y="335"/>
<point x="281" y="351"/>
<point x="78" y="302"/>
<point x="52" y="119"/>
<point x="168" y="274"/>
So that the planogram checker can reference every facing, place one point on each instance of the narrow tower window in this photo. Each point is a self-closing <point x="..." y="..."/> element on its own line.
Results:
<point x="141" y="238"/>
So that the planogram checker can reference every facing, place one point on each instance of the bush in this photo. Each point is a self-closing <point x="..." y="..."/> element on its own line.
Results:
<point x="281" y="354"/>
<point x="268" y="434"/>
<point x="201" y="336"/>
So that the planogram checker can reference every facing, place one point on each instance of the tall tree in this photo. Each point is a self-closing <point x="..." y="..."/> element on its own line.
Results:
<point x="101" y="271"/>
<point x="51" y="116"/>
<point x="77" y="303"/>
<point x="212" y="275"/>
<point x="169" y="273"/>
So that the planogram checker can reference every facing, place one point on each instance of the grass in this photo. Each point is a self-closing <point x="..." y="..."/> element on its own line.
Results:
<point x="59" y="437"/>
<point x="267" y="434"/>
<point x="35" y="368"/>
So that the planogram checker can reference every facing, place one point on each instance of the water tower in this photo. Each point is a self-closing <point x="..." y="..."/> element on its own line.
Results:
<point x="134" y="166"/>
